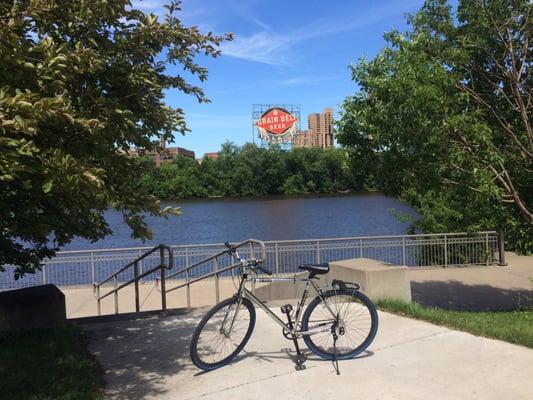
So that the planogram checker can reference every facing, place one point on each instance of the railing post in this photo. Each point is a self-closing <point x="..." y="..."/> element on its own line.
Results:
<point x="116" y="294"/>
<point x="187" y="278"/>
<point x="217" y="287"/>
<point x="276" y="257"/>
<point x="501" y="249"/>
<point x="43" y="273"/>
<point x="141" y="263"/>
<point x="251" y="250"/>
<point x="318" y="252"/>
<point x="403" y="252"/>
<point x="487" y="249"/>
<point x="445" y="251"/>
<point x="98" y="306"/>
<point x="136" y="284"/>
<point x="360" y="248"/>
<point x="93" y="272"/>
<point x="163" y="287"/>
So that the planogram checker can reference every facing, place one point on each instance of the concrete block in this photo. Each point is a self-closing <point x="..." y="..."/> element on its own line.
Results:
<point x="378" y="280"/>
<point x="34" y="307"/>
<point x="282" y="290"/>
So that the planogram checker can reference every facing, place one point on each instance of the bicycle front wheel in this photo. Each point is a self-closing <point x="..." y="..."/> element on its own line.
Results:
<point x="222" y="333"/>
<point x="347" y="314"/>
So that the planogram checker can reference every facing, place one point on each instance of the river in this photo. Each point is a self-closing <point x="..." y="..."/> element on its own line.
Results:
<point x="220" y="220"/>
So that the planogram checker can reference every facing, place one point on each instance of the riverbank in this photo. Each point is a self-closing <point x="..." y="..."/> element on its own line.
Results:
<point x="279" y="196"/>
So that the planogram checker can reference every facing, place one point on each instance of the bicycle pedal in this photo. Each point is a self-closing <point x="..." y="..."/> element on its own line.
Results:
<point x="286" y="309"/>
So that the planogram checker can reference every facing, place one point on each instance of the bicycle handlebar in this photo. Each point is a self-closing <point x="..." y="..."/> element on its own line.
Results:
<point x="232" y="249"/>
<point x="266" y="271"/>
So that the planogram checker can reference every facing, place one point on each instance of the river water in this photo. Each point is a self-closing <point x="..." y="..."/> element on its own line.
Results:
<point x="220" y="220"/>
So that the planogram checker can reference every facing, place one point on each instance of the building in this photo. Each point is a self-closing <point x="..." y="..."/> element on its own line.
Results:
<point x="319" y="131"/>
<point x="163" y="154"/>
<point x="212" y="155"/>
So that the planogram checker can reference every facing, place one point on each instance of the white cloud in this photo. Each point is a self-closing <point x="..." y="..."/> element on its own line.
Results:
<point x="307" y="80"/>
<point x="261" y="47"/>
<point x="268" y="48"/>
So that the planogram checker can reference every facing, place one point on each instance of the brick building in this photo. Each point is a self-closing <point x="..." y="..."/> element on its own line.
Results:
<point x="319" y="131"/>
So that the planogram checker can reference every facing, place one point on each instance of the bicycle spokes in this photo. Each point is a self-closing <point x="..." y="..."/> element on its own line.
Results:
<point x="339" y="324"/>
<point x="221" y="335"/>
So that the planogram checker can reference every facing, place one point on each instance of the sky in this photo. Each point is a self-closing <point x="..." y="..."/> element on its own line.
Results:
<point x="288" y="52"/>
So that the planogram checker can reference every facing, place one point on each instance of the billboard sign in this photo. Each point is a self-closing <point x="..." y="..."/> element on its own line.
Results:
<point x="277" y="125"/>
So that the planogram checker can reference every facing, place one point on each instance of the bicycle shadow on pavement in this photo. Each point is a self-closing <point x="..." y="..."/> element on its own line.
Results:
<point x="289" y="354"/>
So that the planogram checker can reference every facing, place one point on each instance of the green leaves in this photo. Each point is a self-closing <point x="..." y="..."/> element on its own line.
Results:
<point x="251" y="171"/>
<point x="434" y="120"/>
<point x="81" y="82"/>
<point x="47" y="186"/>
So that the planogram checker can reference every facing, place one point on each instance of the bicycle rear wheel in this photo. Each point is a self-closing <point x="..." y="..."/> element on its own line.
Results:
<point x="222" y="333"/>
<point x="348" y="314"/>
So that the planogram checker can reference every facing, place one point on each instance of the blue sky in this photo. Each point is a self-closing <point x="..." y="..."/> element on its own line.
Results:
<point x="294" y="52"/>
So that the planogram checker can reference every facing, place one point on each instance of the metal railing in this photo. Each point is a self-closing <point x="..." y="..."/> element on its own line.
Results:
<point x="247" y="249"/>
<point x="74" y="268"/>
<point x="137" y="276"/>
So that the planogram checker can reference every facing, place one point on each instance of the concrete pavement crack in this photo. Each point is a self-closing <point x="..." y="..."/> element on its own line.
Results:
<point x="414" y="339"/>
<point x="249" y="382"/>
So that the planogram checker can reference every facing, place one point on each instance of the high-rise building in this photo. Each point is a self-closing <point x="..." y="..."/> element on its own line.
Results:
<point x="319" y="131"/>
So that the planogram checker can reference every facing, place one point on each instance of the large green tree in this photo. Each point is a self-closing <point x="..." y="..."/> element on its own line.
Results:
<point x="81" y="82"/>
<point x="442" y="117"/>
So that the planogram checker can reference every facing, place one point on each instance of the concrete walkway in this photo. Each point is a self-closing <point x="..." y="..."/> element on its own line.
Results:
<point x="148" y="358"/>
<point x="476" y="288"/>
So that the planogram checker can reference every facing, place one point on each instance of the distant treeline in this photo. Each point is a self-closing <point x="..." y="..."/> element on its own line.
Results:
<point x="250" y="170"/>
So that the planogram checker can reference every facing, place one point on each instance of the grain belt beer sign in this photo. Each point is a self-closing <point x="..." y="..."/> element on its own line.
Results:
<point x="277" y="125"/>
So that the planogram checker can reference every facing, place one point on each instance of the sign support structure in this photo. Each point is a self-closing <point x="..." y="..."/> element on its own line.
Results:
<point x="275" y="124"/>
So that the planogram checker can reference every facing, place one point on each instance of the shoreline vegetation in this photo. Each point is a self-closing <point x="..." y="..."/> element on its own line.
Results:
<point x="281" y="196"/>
<point x="250" y="171"/>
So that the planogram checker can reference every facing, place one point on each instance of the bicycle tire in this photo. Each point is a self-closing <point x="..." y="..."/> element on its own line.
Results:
<point x="355" y="297"/>
<point x="199" y="360"/>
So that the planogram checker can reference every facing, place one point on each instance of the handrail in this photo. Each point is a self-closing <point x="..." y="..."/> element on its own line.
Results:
<point x="217" y="271"/>
<point x="248" y="241"/>
<point x="208" y="275"/>
<point x="135" y="263"/>
<point x="153" y="250"/>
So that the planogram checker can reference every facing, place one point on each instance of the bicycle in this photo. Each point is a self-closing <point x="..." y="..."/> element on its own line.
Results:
<point x="338" y="324"/>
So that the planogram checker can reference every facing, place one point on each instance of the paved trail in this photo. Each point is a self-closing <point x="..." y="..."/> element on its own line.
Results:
<point x="148" y="358"/>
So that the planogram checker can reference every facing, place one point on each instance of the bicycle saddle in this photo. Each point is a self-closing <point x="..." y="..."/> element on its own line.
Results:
<point x="315" y="269"/>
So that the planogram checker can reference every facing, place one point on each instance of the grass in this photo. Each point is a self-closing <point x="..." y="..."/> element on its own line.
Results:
<point x="48" y="364"/>
<point x="510" y="326"/>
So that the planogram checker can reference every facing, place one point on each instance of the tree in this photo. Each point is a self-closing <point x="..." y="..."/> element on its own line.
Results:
<point x="81" y="82"/>
<point x="442" y="118"/>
